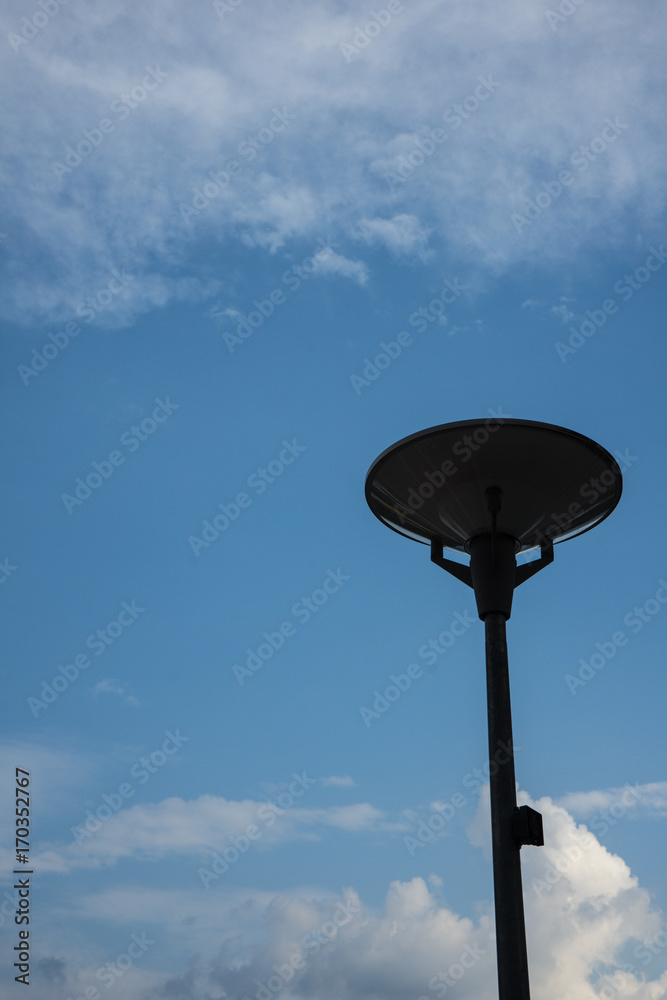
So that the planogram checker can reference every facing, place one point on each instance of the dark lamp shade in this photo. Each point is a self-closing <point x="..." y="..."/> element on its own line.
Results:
<point x="555" y="483"/>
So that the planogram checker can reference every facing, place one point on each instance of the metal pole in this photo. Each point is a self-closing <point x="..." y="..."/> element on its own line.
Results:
<point x="510" y="926"/>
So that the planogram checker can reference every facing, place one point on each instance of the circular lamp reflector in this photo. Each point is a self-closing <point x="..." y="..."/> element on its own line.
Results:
<point x="554" y="483"/>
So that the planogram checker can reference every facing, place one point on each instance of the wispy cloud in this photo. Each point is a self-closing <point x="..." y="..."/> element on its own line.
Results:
<point x="344" y="781"/>
<point x="108" y="686"/>
<point x="403" y="235"/>
<point x="562" y="312"/>
<point x="336" y="264"/>
<point x="324" y="171"/>
<point x="647" y="800"/>
<point x="152" y="831"/>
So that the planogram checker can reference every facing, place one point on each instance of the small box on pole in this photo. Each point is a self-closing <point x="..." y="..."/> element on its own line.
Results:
<point x="527" y="827"/>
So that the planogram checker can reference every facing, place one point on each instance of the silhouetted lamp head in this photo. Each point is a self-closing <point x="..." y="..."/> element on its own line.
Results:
<point x="537" y="482"/>
<point x="493" y="488"/>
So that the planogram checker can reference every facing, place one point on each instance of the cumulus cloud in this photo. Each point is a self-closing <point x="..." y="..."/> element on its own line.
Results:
<point x="591" y="929"/>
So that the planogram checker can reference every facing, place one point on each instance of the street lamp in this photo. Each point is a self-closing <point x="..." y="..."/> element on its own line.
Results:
<point x="493" y="488"/>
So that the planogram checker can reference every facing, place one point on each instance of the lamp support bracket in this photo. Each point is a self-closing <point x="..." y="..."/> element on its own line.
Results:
<point x="530" y="569"/>
<point x="493" y="573"/>
<point x="458" y="570"/>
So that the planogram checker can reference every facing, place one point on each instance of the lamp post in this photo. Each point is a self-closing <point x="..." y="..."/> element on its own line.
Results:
<point x="491" y="489"/>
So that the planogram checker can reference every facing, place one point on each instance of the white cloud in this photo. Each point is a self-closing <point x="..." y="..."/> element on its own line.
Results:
<point x="587" y="920"/>
<point x="404" y="235"/>
<point x="341" y="781"/>
<point x="151" y="831"/>
<point x="649" y="799"/>
<point x="335" y="263"/>
<point x="119" y="207"/>
<point x="277" y="212"/>
<point x="107" y="686"/>
<point x="563" y="313"/>
<point x="588" y="923"/>
<point x="591" y="928"/>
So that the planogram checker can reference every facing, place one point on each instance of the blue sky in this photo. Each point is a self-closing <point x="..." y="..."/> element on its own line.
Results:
<point x="248" y="247"/>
